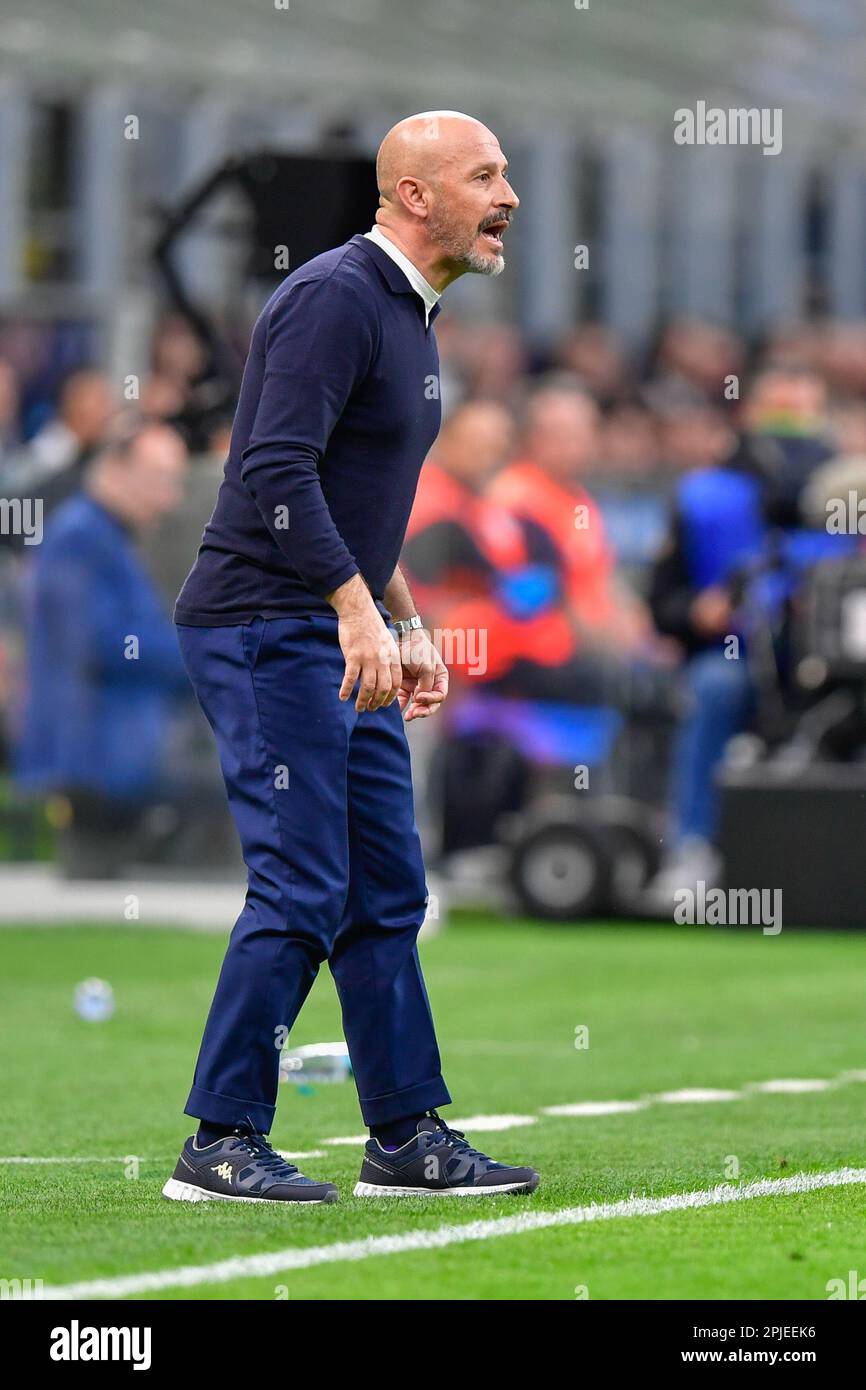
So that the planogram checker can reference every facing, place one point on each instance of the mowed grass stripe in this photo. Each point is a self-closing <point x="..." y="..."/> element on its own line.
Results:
<point x="280" y="1261"/>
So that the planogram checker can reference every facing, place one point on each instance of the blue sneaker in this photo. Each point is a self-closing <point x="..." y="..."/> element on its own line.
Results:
<point x="437" y="1162"/>
<point x="241" y="1167"/>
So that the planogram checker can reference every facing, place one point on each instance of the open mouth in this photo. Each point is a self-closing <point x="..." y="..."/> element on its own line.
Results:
<point x="493" y="233"/>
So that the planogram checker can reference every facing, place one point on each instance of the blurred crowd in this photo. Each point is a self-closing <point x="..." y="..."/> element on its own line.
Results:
<point x="561" y="522"/>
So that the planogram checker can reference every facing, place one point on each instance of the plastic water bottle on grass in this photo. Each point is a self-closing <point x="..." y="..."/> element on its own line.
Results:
<point x="316" y="1064"/>
<point x="94" y="1000"/>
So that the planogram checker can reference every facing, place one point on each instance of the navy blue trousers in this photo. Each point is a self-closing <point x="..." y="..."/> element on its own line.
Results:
<point x="322" y="800"/>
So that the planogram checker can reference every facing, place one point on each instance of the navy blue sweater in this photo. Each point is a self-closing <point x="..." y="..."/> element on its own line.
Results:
<point x="338" y="408"/>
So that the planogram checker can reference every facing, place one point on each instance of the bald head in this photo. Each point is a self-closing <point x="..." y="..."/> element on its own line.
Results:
<point x="475" y="440"/>
<point x="424" y="144"/>
<point x="561" y="431"/>
<point x="139" y="473"/>
<point x="444" y="196"/>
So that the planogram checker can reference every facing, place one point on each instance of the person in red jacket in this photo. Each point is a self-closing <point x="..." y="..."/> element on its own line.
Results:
<point x="484" y="578"/>
<point x="542" y="488"/>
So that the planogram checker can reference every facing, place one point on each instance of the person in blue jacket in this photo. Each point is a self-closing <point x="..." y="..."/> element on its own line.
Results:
<point x="104" y="671"/>
<point x="737" y="545"/>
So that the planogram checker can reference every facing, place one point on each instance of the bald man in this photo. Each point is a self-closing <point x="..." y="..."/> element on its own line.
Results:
<point x="306" y="653"/>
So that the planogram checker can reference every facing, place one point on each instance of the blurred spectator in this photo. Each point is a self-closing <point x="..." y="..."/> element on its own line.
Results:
<point x="629" y="442"/>
<point x="696" y="437"/>
<point x="84" y="410"/>
<point x="162" y="397"/>
<point x="790" y="345"/>
<point x="51" y="467"/>
<point x="848" y="428"/>
<point x="543" y="486"/>
<point x="548" y="552"/>
<point x="178" y="354"/>
<point x="631" y="487"/>
<point x="596" y="356"/>
<point x="458" y="542"/>
<point x="195" y="380"/>
<point x="785" y="435"/>
<point x="104" y="673"/>
<point x="728" y="526"/>
<point x="494" y="362"/>
<point x="473" y="567"/>
<point x="841" y="358"/>
<point x="692" y="361"/>
<point x="10" y="405"/>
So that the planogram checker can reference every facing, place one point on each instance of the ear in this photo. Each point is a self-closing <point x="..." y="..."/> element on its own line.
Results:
<point x="413" y="195"/>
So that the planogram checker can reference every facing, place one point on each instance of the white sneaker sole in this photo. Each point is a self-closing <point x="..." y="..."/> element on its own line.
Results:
<point x="373" y="1189"/>
<point x="177" y="1191"/>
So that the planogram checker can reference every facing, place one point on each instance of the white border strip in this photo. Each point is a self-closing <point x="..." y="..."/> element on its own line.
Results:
<point x="341" y="1252"/>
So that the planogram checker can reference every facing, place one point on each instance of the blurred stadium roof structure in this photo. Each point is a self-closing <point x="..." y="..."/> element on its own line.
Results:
<point x="624" y="60"/>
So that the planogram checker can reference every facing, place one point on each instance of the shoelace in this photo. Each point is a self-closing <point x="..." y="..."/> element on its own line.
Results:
<point x="264" y="1153"/>
<point x="457" y="1138"/>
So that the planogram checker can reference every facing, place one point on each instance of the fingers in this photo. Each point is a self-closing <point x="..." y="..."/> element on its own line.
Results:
<point x="380" y="679"/>
<point x="427" y="702"/>
<point x="374" y="683"/>
<point x="426" y="674"/>
<point x="440" y="685"/>
<point x="424" y="704"/>
<point x="353" y="670"/>
<point x="367" y="688"/>
<point x="396" y="678"/>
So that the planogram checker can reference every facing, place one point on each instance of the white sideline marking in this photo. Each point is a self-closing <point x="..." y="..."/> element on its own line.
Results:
<point x="699" y="1095"/>
<point x="487" y="1123"/>
<point x="691" y="1095"/>
<point x="70" y="1158"/>
<point x="83" y="1158"/>
<point x="494" y="1122"/>
<point x="596" y="1107"/>
<point x="791" y="1087"/>
<point x="694" y="1095"/>
<point x="277" y="1261"/>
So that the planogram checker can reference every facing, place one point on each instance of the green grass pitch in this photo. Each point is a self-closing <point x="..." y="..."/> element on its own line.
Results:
<point x="665" y="1009"/>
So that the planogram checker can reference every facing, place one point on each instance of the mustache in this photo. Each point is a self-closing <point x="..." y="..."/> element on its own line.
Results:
<point x="494" y="219"/>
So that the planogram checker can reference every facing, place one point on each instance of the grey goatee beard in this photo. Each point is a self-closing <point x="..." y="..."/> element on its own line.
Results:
<point x="456" y="249"/>
<point x="483" y="265"/>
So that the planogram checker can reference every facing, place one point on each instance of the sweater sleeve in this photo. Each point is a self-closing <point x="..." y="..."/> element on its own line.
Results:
<point x="318" y="345"/>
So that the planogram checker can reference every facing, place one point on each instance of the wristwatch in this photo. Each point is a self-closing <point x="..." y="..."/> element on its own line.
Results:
<point x="404" y="625"/>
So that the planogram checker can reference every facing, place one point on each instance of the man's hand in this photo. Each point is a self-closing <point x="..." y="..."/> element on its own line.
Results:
<point x="368" y="647"/>
<point x="425" y="678"/>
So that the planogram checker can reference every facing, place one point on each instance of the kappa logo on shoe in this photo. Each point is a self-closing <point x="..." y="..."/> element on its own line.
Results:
<point x="224" y="1170"/>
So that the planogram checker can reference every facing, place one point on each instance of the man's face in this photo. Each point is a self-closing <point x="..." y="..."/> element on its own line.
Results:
<point x="473" y="203"/>
<point x="563" y="434"/>
<point x="88" y="404"/>
<point x="476" y="442"/>
<point x="798" y="397"/>
<point x="154" y="475"/>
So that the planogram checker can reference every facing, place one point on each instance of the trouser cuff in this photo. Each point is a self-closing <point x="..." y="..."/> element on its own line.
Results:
<point x="396" y="1105"/>
<point x="229" y="1110"/>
